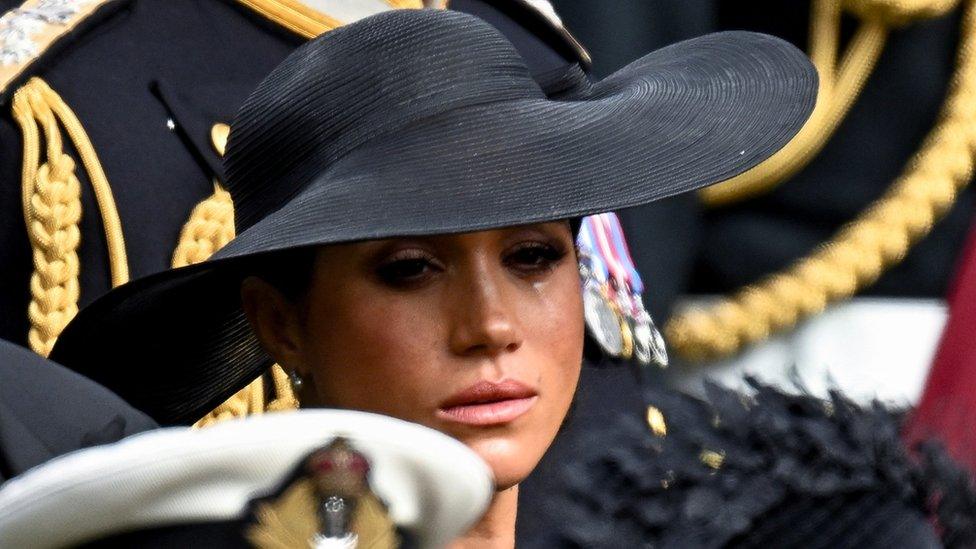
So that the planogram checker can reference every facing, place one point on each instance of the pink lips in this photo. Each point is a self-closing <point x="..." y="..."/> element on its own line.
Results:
<point x="487" y="403"/>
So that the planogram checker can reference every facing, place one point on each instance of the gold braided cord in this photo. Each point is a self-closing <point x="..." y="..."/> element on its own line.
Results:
<point x="285" y="397"/>
<point x="246" y="402"/>
<point x="824" y="39"/>
<point x="306" y="21"/>
<point x="896" y="13"/>
<point x="51" y="198"/>
<point x="55" y="211"/>
<point x="861" y="251"/>
<point x="51" y="195"/>
<point x="24" y="115"/>
<point x="210" y="227"/>
<point x="839" y="87"/>
<point x="251" y="400"/>
<point x="115" y="242"/>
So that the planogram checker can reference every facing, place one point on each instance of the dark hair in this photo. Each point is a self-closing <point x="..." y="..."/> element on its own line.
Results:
<point x="289" y="272"/>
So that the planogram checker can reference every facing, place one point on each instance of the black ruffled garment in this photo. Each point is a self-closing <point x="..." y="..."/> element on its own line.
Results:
<point x="767" y="470"/>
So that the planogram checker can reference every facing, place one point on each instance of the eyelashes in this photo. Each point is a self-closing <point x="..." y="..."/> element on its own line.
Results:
<point x="534" y="257"/>
<point x="413" y="267"/>
<point x="407" y="267"/>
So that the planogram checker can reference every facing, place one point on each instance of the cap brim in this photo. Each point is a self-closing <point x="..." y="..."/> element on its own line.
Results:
<point x="699" y="112"/>
<point x="434" y="486"/>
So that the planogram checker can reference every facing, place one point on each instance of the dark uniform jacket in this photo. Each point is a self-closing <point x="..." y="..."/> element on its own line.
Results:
<point x="47" y="410"/>
<point x="147" y="80"/>
<point x="714" y="251"/>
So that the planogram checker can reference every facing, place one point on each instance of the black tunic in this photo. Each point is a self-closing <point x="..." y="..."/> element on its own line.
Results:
<point x="47" y="410"/>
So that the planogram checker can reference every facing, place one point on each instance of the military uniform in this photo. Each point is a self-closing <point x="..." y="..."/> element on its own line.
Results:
<point x="147" y="80"/>
<point x="144" y="82"/>
<point x="47" y="410"/>
<point x="881" y="342"/>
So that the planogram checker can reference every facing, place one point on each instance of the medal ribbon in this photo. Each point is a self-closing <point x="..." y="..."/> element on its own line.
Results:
<point x="603" y="236"/>
<point x="587" y="241"/>
<point x="602" y="240"/>
<point x="622" y="251"/>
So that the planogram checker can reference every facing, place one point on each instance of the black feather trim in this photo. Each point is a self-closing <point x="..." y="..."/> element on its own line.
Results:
<point x="794" y="471"/>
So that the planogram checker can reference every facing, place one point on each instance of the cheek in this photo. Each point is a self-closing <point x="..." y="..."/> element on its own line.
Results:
<point x="370" y="351"/>
<point x="554" y="337"/>
<point x="554" y="330"/>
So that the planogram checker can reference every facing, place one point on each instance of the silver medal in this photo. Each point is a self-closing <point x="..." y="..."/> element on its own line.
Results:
<point x="648" y="342"/>
<point x="615" y="313"/>
<point x="601" y="320"/>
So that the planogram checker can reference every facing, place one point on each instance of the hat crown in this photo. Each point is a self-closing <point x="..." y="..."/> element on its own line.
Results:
<point x="358" y="82"/>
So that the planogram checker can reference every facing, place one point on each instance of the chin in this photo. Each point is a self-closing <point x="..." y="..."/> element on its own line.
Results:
<point x="509" y="460"/>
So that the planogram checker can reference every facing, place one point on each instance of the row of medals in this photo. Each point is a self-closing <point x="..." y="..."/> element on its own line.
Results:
<point x="616" y="317"/>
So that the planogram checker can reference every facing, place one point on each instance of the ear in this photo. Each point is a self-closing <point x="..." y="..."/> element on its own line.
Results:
<point x="275" y="321"/>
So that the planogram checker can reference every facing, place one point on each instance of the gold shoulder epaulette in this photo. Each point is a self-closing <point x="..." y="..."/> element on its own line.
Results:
<point x="301" y="18"/>
<point x="28" y="31"/>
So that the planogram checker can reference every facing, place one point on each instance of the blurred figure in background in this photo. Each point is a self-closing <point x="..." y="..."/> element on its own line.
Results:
<point x="829" y="264"/>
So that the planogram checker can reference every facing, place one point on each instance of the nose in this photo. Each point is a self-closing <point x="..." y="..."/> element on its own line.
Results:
<point x="485" y="318"/>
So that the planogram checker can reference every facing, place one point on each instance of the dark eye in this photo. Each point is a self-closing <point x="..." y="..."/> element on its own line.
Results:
<point x="406" y="269"/>
<point x="534" y="257"/>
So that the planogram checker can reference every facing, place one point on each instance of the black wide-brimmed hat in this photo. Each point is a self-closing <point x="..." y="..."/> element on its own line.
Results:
<point x="428" y="122"/>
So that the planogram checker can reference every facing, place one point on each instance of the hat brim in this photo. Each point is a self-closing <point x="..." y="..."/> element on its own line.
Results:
<point x="699" y="112"/>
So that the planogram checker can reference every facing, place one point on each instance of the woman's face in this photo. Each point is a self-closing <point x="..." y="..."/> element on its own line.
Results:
<point x="477" y="335"/>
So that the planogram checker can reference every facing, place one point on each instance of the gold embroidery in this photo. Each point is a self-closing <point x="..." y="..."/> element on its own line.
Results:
<point x="28" y="31"/>
<point x="290" y="521"/>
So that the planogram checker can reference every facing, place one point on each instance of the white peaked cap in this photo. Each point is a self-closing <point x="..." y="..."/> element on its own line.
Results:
<point x="435" y="487"/>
